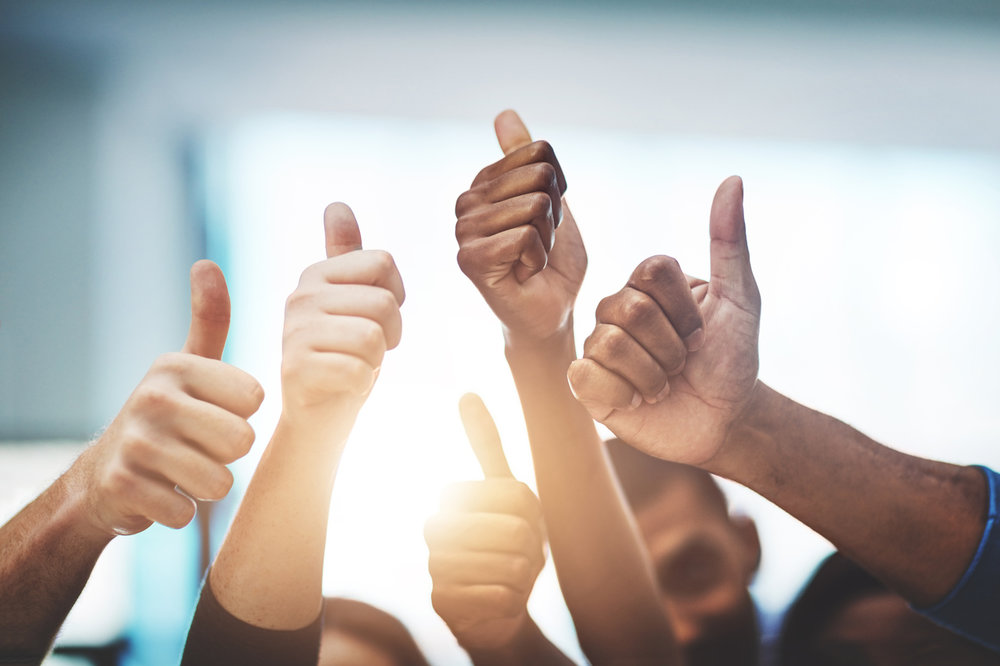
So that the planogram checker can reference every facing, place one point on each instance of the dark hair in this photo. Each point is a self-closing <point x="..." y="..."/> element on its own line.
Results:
<point x="837" y="582"/>
<point x="643" y="477"/>
<point x="372" y="625"/>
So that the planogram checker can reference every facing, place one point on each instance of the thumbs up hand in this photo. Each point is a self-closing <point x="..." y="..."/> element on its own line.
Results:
<point x="339" y="322"/>
<point x="518" y="241"/>
<point x="486" y="545"/>
<point x="672" y="361"/>
<point x="177" y="431"/>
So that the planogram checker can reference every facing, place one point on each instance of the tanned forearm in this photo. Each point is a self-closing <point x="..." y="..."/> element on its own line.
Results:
<point x="914" y="523"/>
<point x="602" y="566"/>
<point x="47" y="552"/>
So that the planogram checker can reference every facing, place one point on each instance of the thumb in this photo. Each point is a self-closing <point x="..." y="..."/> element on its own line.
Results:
<point x="730" y="258"/>
<point x="511" y="131"/>
<point x="483" y="435"/>
<point x="341" y="227"/>
<point x="209" y="311"/>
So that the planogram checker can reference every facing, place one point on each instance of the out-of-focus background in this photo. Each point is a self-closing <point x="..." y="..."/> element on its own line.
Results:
<point x="137" y="138"/>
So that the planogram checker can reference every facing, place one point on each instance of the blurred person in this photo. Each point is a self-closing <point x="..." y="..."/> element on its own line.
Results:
<point x="521" y="248"/>
<point x="926" y="529"/>
<point x="486" y="548"/>
<point x="704" y="559"/>
<point x="261" y="602"/>
<point x="170" y="443"/>
<point x="359" y="634"/>
<point x="846" y="617"/>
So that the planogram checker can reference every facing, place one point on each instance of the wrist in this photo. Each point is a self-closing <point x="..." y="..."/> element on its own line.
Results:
<point x="516" y="649"/>
<point x="521" y="340"/>
<point x="749" y="437"/>
<point x="78" y="505"/>
<point x="561" y="345"/>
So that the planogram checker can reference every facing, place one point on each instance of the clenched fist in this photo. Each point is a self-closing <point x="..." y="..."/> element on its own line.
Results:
<point x="486" y="545"/>
<point x="339" y="322"/>
<point x="517" y="239"/>
<point x="672" y="361"/>
<point x="177" y="431"/>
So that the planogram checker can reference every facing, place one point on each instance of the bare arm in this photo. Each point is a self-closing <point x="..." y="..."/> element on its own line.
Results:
<point x="339" y="322"/>
<point x="486" y="549"/>
<point x="529" y="271"/>
<point x="914" y="523"/>
<point x="178" y="429"/>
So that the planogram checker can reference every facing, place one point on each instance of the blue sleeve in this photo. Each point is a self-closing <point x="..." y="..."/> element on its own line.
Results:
<point x="972" y="608"/>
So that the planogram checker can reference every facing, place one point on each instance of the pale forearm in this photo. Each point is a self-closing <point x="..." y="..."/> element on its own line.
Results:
<point x="912" y="522"/>
<point x="269" y="570"/>
<point x="47" y="552"/>
<point x="603" y="568"/>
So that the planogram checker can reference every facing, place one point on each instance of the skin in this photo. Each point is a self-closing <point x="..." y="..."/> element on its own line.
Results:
<point x="182" y="424"/>
<point x="339" y="322"/>
<point x="695" y="398"/>
<point x="528" y="265"/>
<point x="486" y="549"/>
<point x="704" y="561"/>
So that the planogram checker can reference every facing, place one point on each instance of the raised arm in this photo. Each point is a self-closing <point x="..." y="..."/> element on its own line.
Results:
<point x="528" y="267"/>
<point x="263" y="596"/>
<point x="185" y="420"/>
<point x="486" y="550"/>
<point x="914" y="523"/>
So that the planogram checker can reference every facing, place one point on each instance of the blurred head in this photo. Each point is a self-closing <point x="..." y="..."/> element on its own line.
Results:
<point x="357" y="634"/>
<point x="704" y="559"/>
<point x="845" y="616"/>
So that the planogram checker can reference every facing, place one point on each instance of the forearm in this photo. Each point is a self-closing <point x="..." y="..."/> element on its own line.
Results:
<point x="47" y="552"/>
<point x="602" y="565"/>
<point x="269" y="570"/>
<point x="914" y="523"/>
<point x="530" y="646"/>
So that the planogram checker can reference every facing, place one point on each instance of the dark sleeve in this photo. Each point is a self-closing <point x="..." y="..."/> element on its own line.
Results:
<point x="217" y="638"/>
<point x="972" y="608"/>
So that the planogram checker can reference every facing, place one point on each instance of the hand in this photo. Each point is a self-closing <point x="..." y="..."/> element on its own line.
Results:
<point x="672" y="362"/>
<point x="486" y="545"/>
<point x="512" y="246"/>
<point x="339" y="322"/>
<point x="177" y="431"/>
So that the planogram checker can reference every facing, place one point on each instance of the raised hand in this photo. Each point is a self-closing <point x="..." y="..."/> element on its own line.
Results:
<point x="672" y="361"/>
<point x="518" y="241"/>
<point x="486" y="544"/>
<point x="180" y="427"/>
<point x="339" y="322"/>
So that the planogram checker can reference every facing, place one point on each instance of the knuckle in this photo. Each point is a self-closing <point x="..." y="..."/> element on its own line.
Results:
<point x="153" y="398"/>
<point x="544" y="174"/>
<point x="137" y="449"/>
<point x="522" y="535"/>
<point x="657" y="268"/>
<point x="541" y="150"/>
<point x="466" y="261"/>
<point x="171" y="362"/>
<point x="521" y="569"/>
<point x="465" y="201"/>
<point x="539" y="203"/>
<point x="636" y="308"/>
<point x="120" y="482"/>
<point x="384" y="263"/>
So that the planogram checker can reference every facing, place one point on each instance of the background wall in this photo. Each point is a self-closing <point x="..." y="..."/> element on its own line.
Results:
<point x="106" y="110"/>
